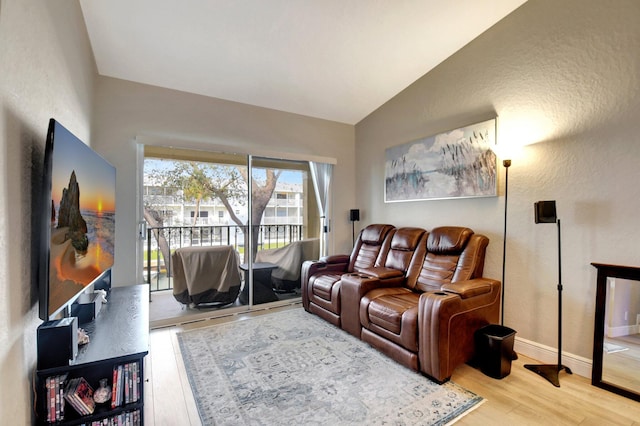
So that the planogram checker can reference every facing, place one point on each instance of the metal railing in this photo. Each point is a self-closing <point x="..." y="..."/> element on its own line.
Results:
<point x="157" y="270"/>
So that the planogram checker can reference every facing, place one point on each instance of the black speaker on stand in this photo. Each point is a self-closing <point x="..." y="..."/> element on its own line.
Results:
<point x="545" y="212"/>
<point x="354" y="216"/>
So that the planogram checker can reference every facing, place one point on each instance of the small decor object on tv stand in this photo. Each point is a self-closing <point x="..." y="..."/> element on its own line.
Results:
<point x="103" y="393"/>
<point x="83" y="337"/>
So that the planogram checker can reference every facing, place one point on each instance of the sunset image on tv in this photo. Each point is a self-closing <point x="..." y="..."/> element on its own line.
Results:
<point x="82" y="217"/>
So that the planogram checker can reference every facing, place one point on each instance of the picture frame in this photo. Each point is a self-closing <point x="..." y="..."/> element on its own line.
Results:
<point x="460" y="163"/>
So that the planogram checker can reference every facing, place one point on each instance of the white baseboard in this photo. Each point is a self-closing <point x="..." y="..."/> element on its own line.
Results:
<point x="548" y="355"/>
<point x="624" y="330"/>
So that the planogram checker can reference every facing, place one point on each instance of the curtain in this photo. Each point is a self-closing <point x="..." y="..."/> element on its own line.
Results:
<point x="321" y="176"/>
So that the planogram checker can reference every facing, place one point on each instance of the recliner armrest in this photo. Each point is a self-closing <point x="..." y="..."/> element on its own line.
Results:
<point x="448" y="319"/>
<point x="382" y="273"/>
<point x="470" y="288"/>
<point x="310" y="268"/>
<point x="335" y="258"/>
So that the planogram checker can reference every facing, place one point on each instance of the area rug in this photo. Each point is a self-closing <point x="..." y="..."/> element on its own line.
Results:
<point x="293" y="368"/>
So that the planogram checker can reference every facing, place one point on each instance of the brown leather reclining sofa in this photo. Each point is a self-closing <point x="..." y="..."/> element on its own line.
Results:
<point x="417" y="296"/>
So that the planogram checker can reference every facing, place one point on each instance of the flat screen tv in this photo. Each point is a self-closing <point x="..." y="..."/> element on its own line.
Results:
<point x="77" y="234"/>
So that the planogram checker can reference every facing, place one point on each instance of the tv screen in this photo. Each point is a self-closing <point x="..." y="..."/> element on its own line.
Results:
<point x="78" y="220"/>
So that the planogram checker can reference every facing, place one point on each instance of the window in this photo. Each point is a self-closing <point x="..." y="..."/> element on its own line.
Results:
<point x="200" y="214"/>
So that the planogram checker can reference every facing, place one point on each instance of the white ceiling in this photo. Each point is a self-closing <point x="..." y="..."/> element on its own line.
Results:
<point x="333" y="59"/>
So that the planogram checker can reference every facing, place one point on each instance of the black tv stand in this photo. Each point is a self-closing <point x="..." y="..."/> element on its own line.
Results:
<point x="118" y="336"/>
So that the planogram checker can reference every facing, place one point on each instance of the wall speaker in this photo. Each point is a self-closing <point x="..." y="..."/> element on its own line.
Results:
<point x="354" y="215"/>
<point x="57" y="342"/>
<point x="545" y="212"/>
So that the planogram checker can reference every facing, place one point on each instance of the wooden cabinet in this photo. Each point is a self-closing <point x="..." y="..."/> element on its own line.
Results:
<point x="118" y="336"/>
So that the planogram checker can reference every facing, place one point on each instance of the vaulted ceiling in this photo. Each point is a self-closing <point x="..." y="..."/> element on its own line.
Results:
<point x="333" y="59"/>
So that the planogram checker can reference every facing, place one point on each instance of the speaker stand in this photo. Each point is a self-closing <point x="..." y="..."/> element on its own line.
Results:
<point x="551" y="371"/>
<point x="353" y="233"/>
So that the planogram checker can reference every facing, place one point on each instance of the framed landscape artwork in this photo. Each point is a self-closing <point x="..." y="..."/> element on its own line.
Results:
<point x="455" y="164"/>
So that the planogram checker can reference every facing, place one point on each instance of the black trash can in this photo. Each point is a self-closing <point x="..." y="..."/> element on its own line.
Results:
<point x="494" y="350"/>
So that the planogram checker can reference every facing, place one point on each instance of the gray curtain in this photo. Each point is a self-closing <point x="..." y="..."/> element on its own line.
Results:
<point x="321" y="176"/>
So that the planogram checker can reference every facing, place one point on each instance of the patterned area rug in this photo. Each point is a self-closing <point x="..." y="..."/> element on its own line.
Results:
<point x="294" y="368"/>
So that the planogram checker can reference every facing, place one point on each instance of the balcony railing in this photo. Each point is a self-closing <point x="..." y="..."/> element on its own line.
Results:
<point x="157" y="270"/>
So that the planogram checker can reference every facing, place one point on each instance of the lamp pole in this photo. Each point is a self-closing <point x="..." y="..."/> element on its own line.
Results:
<point x="506" y="164"/>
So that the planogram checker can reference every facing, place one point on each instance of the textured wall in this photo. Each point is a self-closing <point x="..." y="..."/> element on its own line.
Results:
<point x="564" y="78"/>
<point x="46" y="70"/>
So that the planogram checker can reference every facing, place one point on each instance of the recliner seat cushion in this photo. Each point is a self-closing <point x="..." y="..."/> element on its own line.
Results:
<point x="323" y="285"/>
<point x="393" y="314"/>
<point x="326" y="291"/>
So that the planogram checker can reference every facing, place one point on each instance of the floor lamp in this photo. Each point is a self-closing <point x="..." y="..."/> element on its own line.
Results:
<point x="545" y="212"/>
<point x="506" y="164"/>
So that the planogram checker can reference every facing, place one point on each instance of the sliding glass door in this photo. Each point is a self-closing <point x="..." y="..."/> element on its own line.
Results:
<point x="284" y="231"/>
<point x="256" y="218"/>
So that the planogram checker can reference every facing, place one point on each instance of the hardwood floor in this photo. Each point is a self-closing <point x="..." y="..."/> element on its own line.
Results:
<point x="522" y="398"/>
<point x="620" y="365"/>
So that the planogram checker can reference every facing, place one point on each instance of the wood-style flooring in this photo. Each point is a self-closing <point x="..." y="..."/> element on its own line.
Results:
<point x="522" y="398"/>
<point x="620" y="365"/>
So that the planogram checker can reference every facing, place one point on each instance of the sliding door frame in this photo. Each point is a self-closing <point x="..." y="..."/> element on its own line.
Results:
<point x="250" y="153"/>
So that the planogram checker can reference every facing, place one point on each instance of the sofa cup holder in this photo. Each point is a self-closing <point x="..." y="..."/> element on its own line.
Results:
<point x="359" y="275"/>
